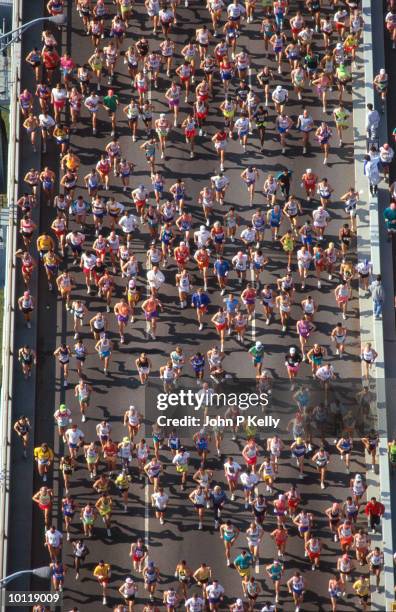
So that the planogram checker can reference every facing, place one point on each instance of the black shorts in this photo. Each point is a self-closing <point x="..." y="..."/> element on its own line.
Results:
<point x="130" y="598"/>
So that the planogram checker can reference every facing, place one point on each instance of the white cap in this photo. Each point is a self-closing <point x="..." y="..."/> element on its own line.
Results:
<point x="258" y="344"/>
<point x="308" y="170"/>
<point x="162" y="116"/>
<point x="339" y="45"/>
<point x="292" y="350"/>
<point x="358" y="477"/>
<point x="382" y="71"/>
<point x="129" y="580"/>
<point x="202" y="228"/>
<point x="182" y="244"/>
<point x="278" y="87"/>
<point x="239" y="602"/>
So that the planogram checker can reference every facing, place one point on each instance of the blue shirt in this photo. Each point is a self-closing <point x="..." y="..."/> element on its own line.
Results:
<point x="221" y="267"/>
<point x="231" y="304"/>
<point x="200" y="299"/>
<point x="218" y="498"/>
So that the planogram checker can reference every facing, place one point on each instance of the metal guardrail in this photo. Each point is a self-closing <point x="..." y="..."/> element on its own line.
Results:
<point x="9" y="301"/>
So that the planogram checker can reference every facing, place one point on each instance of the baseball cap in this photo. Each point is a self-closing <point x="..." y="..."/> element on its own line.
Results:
<point x="129" y="580"/>
<point x="162" y="115"/>
<point x="258" y="344"/>
<point x="62" y="408"/>
<point x="292" y="350"/>
<point x="125" y="439"/>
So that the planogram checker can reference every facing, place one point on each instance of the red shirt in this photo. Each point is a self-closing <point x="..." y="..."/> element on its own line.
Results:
<point x="50" y="59"/>
<point x="375" y="509"/>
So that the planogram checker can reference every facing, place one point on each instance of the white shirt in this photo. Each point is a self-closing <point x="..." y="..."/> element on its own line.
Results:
<point x="320" y="217"/>
<point x="248" y="234"/>
<point x="88" y="261"/>
<point x="53" y="538"/>
<point x="235" y="10"/>
<point x="46" y="121"/>
<point x="324" y="374"/>
<point x="59" y="94"/>
<point x="363" y="268"/>
<point x="160" y="501"/>
<point x="74" y="436"/>
<point x="201" y="238"/>
<point x="92" y="102"/>
<point x="220" y="182"/>
<point x="240" y="262"/>
<point x="195" y="605"/>
<point x="214" y="591"/>
<point x="279" y="95"/>
<point x="128" y="224"/>
<point x="231" y="469"/>
<point x="181" y="458"/>
<point x="155" y="279"/>
<point x="75" y="239"/>
<point x="386" y="155"/>
<point x="249" y="480"/>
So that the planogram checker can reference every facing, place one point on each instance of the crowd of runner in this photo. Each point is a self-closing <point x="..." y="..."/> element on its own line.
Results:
<point x="314" y="44"/>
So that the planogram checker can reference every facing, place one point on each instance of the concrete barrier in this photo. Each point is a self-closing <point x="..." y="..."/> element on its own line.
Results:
<point x="9" y="302"/>
<point x="370" y="239"/>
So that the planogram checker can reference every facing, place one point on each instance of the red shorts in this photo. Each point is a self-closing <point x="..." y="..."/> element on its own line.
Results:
<point x="59" y="105"/>
<point x="203" y="97"/>
<point x="142" y="89"/>
<point x="203" y="309"/>
<point x="87" y="272"/>
<point x="349" y="49"/>
<point x="190" y="133"/>
<point x="221" y="326"/>
<point x="202" y="115"/>
<point x="58" y="234"/>
<point x="44" y="506"/>
<point x="313" y="555"/>
<point x="140" y="204"/>
<point x="251" y="460"/>
<point x="185" y="78"/>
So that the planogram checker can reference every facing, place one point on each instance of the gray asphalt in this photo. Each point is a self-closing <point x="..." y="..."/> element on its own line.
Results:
<point x="179" y="538"/>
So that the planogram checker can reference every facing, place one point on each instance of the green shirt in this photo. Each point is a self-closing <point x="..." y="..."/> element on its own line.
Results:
<point x="390" y="217"/>
<point x="111" y="103"/>
<point x="256" y="352"/>
<point x="243" y="561"/>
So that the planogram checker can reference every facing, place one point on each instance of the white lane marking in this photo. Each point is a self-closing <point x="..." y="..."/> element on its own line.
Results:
<point x="254" y="311"/>
<point x="146" y="515"/>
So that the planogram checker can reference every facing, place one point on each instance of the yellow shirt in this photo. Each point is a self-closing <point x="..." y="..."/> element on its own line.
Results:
<point x="45" y="243"/>
<point x="102" y="570"/>
<point x="43" y="455"/>
<point x="202" y="573"/>
<point x="362" y="587"/>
